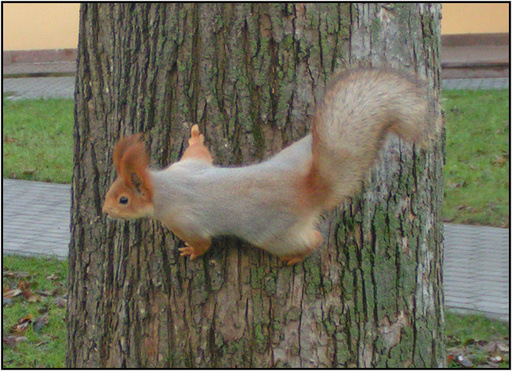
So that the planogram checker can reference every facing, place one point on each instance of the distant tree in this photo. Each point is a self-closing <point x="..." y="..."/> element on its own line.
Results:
<point x="251" y="74"/>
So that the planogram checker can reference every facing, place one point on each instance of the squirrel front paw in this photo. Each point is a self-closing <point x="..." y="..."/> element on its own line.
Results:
<point x="189" y="251"/>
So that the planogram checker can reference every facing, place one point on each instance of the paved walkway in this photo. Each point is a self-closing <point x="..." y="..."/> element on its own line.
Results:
<point x="32" y="88"/>
<point x="64" y="87"/>
<point x="37" y="215"/>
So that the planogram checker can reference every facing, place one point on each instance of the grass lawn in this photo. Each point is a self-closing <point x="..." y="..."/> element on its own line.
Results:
<point x="43" y="286"/>
<point x="478" y="340"/>
<point x="36" y="316"/>
<point x="476" y="175"/>
<point x="38" y="145"/>
<point x="38" y="139"/>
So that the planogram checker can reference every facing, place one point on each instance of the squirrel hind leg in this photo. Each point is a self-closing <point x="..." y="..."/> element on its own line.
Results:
<point x="317" y="240"/>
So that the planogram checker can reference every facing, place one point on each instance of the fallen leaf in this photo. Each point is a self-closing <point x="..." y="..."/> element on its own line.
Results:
<point x="29" y="171"/>
<point x="495" y="359"/>
<point x="39" y="322"/>
<point x="61" y="302"/>
<point x="25" y="288"/>
<point x="8" y="139"/>
<point x="457" y="185"/>
<point x="469" y="342"/>
<point x="23" y="285"/>
<point x="9" y="274"/>
<point x="452" y="340"/>
<point x="503" y="348"/>
<point x="52" y="277"/>
<point x="12" y="293"/>
<point x="12" y="340"/>
<point x="44" y="293"/>
<point x="44" y="309"/>
<point x="463" y="360"/>
<point x="495" y="346"/>
<point x="20" y="328"/>
<point x="34" y="299"/>
<point x="499" y="160"/>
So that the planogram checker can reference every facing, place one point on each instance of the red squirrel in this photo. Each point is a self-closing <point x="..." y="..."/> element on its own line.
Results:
<point x="275" y="204"/>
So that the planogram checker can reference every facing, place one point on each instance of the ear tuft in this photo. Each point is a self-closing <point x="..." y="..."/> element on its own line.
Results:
<point x="131" y="161"/>
<point x="120" y="149"/>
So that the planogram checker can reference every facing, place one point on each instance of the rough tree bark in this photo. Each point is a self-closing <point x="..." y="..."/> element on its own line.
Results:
<point x="251" y="75"/>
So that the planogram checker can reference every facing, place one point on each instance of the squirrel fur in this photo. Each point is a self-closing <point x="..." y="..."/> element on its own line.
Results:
<point x="275" y="204"/>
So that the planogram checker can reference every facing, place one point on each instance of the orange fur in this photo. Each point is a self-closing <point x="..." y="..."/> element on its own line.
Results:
<point x="297" y="258"/>
<point x="120" y="148"/>
<point x="196" y="148"/>
<point x="133" y="168"/>
<point x="195" y="248"/>
<point x="134" y="183"/>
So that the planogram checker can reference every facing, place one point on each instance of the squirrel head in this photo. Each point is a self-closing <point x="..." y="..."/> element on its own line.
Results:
<point x="130" y="196"/>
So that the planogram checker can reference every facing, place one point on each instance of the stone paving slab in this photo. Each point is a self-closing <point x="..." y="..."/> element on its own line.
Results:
<point x="36" y="218"/>
<point x="41" y="87"/>
<point x="476" y="265"/>
<point x="477" y="269"/>
<point x="476" y="84"/>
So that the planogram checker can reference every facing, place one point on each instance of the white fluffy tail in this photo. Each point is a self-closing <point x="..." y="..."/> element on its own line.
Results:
<point x="349" y="128"/>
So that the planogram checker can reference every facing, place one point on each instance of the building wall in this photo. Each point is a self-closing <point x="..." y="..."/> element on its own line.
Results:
<point x="32" y="26"/>
<point x="475" y="18"/>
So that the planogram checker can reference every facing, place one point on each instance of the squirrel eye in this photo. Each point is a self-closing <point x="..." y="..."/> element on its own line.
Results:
<point x="123" y="200"/>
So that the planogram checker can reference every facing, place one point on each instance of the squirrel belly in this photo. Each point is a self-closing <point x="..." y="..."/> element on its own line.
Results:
<point x="275" y="204"/>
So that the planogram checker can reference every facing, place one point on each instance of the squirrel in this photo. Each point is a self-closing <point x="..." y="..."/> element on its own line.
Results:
<point x="274" y="205"/>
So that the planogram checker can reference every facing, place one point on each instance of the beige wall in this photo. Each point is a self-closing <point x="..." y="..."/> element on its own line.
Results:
<point x="55" y="25"/>
<point x="475" y="18"/>
<point x="33" y="26"/>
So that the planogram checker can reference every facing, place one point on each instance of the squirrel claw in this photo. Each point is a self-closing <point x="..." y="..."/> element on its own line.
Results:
<point x="188" y="251"/>
<point x="194" y="251"/>
<point x="291" y="260"/>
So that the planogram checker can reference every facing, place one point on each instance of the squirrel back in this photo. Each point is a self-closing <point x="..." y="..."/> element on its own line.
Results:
<point x="350" y="126"/>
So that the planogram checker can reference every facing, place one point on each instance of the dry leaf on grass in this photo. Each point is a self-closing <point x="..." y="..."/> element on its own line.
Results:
<point x="12" y="293"/>
<point x="61" y="302"/>
<point x="53" y="277"/>
<point x="40" y="322"/>
<point x="12" y="340"/>
<point x="11" y="274"/>
<point x="22" y="326"/>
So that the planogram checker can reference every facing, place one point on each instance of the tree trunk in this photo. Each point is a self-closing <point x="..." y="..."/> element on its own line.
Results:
<point x="251" y="76"/>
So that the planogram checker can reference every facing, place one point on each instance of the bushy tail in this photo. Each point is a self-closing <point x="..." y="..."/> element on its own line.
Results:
<point x="349" y="128"/>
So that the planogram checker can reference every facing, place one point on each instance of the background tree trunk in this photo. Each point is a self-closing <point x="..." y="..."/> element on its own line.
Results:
<point x="251" y="76"/>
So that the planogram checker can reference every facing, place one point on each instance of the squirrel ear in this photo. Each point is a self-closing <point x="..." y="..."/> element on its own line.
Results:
<point x="136" y="180"/>
<point x="133" y="167"/>
<point x="120" y="149"/>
